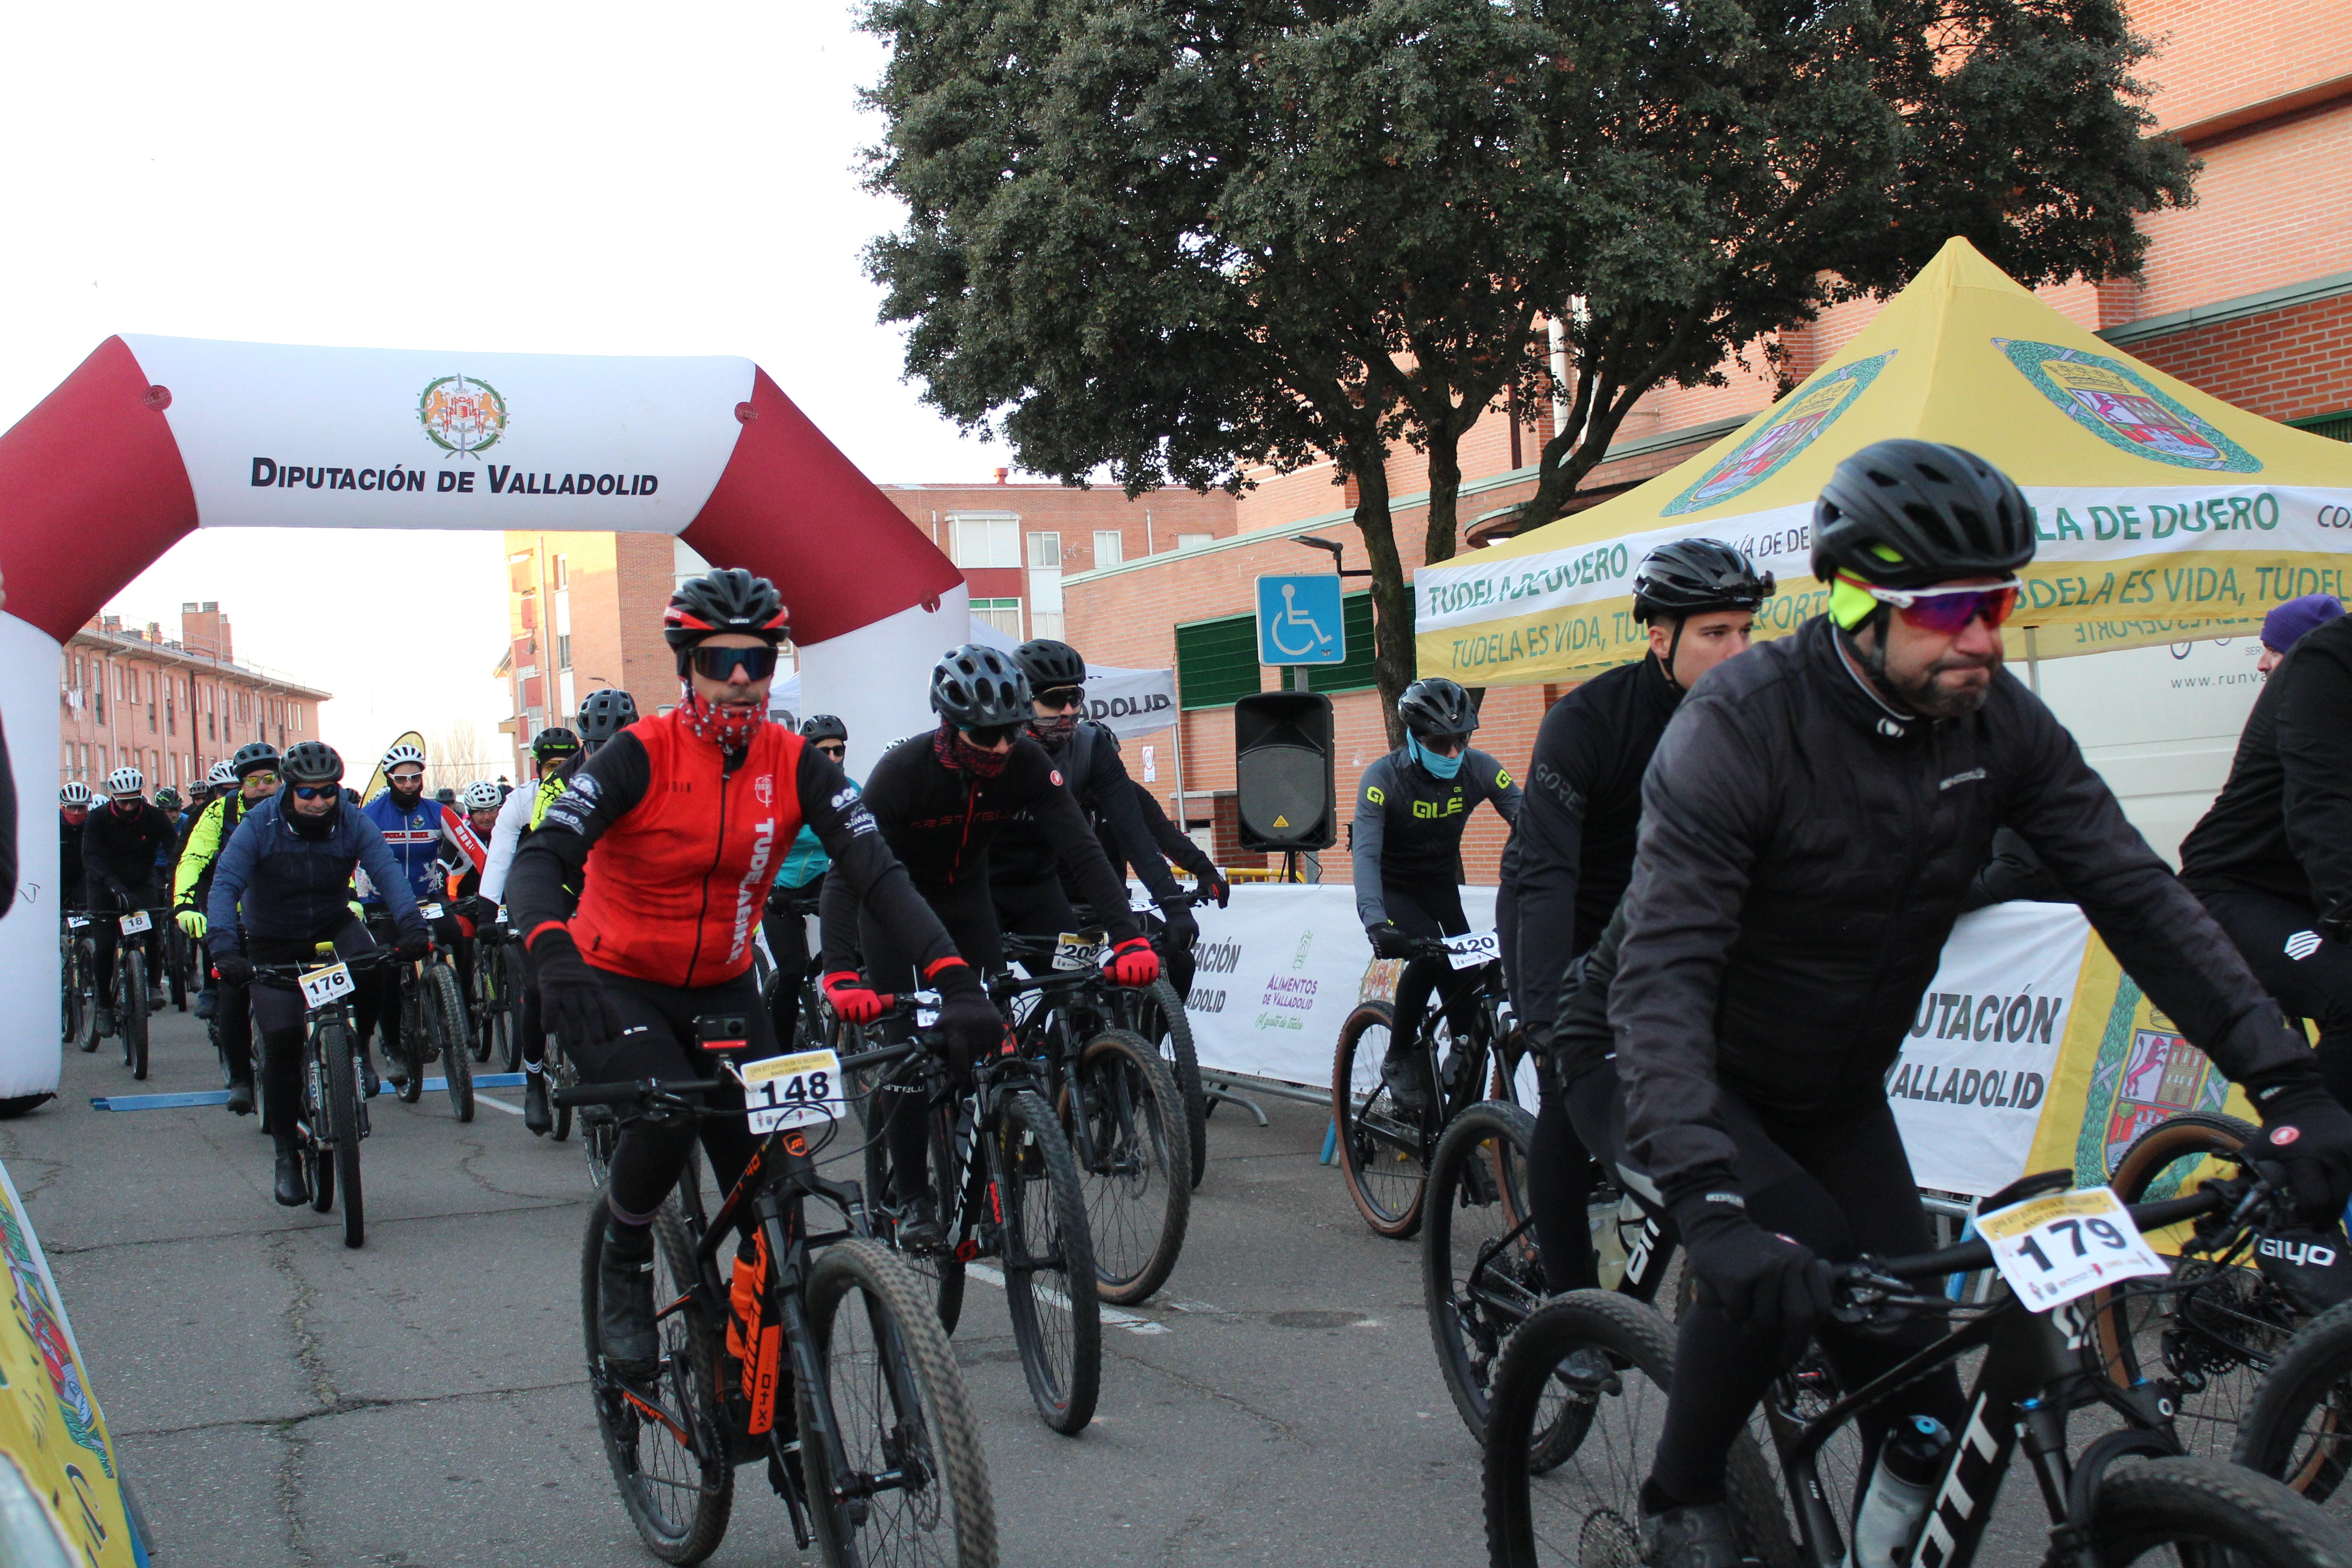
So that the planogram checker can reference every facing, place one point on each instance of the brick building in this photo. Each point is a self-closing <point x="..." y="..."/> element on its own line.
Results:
<point x="2246" y="295"/>
<point x="584" y="610"/>
<point x="169" y="707"/>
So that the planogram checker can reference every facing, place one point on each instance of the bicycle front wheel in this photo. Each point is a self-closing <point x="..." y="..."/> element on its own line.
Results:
<point x="1157" y="1015"/>
<point x="1123" y="1112"/>
<point x="909" y="1445"/>
<point x="2300" y="1429"/>
<point x="1049" y="1264"/>
<point x="2191" y="1511"/>
<point x="665" y="1443"/>
<point x="131" y="972"/>
<point x="342" y="1108"/>
<point x="1480" y="1273"/>
<point x="1380" y="1145"/>
<point x="444" y="1013"/>
<point x="1596" y="1364"/>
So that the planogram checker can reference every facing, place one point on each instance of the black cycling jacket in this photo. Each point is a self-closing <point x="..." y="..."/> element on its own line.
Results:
<point x="1572" y="846"/>
<point x="69" y="872"/>
<point x="2283" y="825"/>
<point x="1098" y="781"/>
<point x="1170" y="842"/>
<point x="1804" y="850"/>
<point x="1407" y="832"/>
<point x="118" y="848"/>
<point x="939" y="821"/>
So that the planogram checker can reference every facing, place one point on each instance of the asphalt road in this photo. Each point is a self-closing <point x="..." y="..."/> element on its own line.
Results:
<point x="278" y="1399"/>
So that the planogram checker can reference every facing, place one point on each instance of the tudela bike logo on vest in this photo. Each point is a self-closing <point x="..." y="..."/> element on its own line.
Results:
<point x="750" y="891"/>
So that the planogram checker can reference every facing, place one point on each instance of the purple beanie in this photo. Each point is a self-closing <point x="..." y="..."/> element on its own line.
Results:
<point x="2283" y="626"/>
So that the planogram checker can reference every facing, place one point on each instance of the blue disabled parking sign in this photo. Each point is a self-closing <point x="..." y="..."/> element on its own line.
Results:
<point x="1298" y="621"/>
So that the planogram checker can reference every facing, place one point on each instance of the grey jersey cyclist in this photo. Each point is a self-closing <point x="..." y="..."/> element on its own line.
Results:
<point x="1411" y="808"/>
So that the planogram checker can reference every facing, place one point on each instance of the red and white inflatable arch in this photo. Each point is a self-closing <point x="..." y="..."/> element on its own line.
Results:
<point x="153" y="438"/>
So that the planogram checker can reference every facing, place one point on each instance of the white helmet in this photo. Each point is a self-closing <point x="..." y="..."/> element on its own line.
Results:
<point x="482" y="796"/>
<point x="222" y="774"/>
<point x="74" y="794"/>
<point x="403" y="752"/>
<point x="126" y="781"/>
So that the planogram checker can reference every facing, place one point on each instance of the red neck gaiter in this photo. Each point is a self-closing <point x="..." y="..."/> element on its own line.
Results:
<point x="959" y="755"/>
<point x="728" y="725"/>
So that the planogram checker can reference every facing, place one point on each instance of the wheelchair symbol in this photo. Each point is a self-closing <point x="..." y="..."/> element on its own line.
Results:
<point x="1293" y="617"/>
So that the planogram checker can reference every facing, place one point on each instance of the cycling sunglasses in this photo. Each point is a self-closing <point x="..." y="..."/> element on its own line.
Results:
<point x="719" y="663"/>
<point x="990" y="734"/>
<point x="415" y="778"/>
<point x="312" y="791"/>
<point x="1945" y="611"/>
<point x="266" y="780"/>
<point x="1062" y="699"/>
<point x="833" y="749"/>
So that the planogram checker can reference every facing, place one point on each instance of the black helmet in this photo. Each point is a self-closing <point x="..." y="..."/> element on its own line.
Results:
<point x="974" y="688"/>
<point x="255" y="757"/>
<point x="168" y="798"/>
<point x="1692" y="576"/>
<point x="825" y="727"/>
<point x="555" y="741"/>
<point x="723" y="599"/>
<point x="1049" y="664"/>
<point x="606" y="714"/>
<point x="311" y="762"/>
<point x="1437" y="707"/>
<point x="1910" y="514"/>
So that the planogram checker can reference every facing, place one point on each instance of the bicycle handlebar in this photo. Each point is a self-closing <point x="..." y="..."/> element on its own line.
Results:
<point x="648" y="1091"/>
<point x="296" y="971"/>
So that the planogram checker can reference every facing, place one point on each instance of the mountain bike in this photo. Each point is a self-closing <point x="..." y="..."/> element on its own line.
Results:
<point x="1385" y="1149"/>
<point x="332" y="1117"/>
<point x="497" y="1000"/>
<point x="1481" y="1274"/>
<point x="1118" y="1103"/>
<point x="2035" y="1367"/>
<point x="1004" y="1185"/>
<point x="1156" y="1013"/>
<point x="433" y="1024"/>
<point x="816" y="1351"/>
<point x="131" y="986"/>
<point x="77" y="979"/>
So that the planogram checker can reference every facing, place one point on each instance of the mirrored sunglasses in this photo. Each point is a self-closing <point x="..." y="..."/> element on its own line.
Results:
<point x="312" y="791"/>
<point x="1945" y="611"/>
<point x="720" y="663"/>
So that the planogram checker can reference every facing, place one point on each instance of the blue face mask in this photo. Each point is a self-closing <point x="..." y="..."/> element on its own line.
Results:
<point x="1439" y="767"/>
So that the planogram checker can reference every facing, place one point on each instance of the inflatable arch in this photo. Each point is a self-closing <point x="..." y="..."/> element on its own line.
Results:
<point x="153" y="438"/>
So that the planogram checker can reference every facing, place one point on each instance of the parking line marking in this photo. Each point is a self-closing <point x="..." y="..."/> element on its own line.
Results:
<point x="1112" y="1316"/>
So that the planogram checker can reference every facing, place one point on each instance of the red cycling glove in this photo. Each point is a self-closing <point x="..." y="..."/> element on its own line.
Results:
<point x="851" y="998"/>
<point x="1133" y="964"/>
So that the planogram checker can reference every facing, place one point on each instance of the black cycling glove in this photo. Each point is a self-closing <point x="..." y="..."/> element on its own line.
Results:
<point x="1389" y="941"/>
<point x="2307" y="1137"/>
<point x="1183" y="931"/>
<point x="413" y="945"/>
<point x="968" y="1021"/>
<point x="1763" y="1282"/>
<point x="233" y="968"/>
<point x="577" y="1005"/>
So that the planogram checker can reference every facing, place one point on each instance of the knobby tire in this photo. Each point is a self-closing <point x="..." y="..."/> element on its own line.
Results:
<point x="1049" y="1264"/>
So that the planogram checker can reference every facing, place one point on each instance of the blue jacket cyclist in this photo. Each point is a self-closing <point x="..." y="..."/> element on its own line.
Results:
<point x="281" y="887"/>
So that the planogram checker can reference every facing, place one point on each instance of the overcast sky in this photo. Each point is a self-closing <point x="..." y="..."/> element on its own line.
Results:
<point x="573" y="179"/>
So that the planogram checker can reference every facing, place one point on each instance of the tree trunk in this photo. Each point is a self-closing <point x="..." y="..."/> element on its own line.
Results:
<point x="1444" y="493"/>
<point x="1391" y="596"/>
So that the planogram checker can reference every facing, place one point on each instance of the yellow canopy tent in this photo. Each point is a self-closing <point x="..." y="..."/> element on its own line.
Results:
<point x="2165" y="515"/>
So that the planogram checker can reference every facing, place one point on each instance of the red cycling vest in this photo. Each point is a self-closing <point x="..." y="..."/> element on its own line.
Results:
<point x="675" y="886"/>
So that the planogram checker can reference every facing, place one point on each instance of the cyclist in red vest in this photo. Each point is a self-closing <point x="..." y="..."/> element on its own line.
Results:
<point x="680" y="823"/>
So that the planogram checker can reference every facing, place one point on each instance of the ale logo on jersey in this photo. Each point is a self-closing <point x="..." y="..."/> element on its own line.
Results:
<point x="462" y="413"/>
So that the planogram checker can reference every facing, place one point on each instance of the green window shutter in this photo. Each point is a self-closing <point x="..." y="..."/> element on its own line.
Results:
<point x="2335" y="427"/>
<point x="1354" y="673"/>
<point x="1216" y="661"/>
